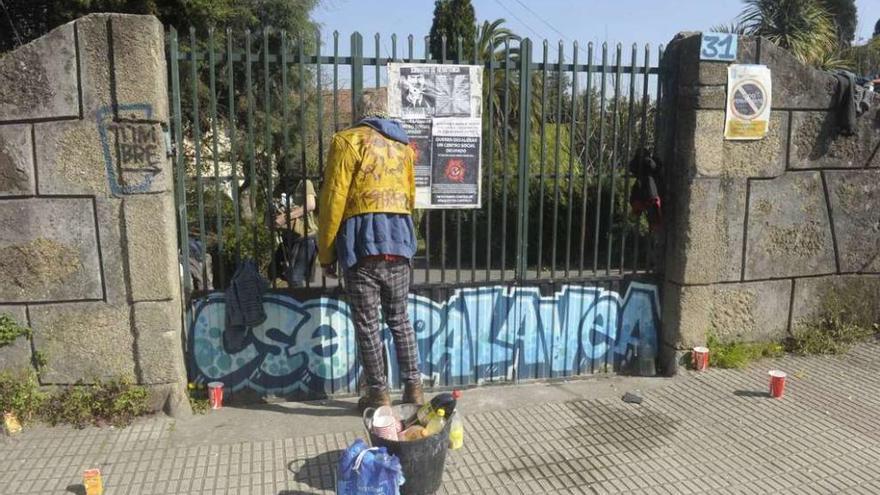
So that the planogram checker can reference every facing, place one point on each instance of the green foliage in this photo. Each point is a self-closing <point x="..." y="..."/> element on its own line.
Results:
<point x="255" y="242"/>
<point x="41" y="17"/>
<point x="20" y="394"/>
<point x="732" y="28"/>
<point x="11" y="330"/>
<point x="577" y="188"/>
<point x="839" y="324"/>
<point x="740" y="354"/>
<point x="115" y="402"/>
<point x="804" y="27"/>
<point x="198" y="398"/>
<point x="845" y="19"/>
<point x="201" y="14"/>
<point x="71" y="405"/>
<point x="39" y="360"/>
<point x="866" y="58"/>
<point x="199" y="405"/>
<point x="454" y="19"/>
<point x="495" y="43"/>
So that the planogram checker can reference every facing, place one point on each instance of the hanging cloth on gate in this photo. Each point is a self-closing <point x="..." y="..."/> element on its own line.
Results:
<point x="646" y="194"/>
<point x="244" y="304"/>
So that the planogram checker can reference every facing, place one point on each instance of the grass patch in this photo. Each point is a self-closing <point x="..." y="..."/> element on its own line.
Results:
<point x="11" y="330"/>
<point x="20" y="394"/>
<point x="834" y="330"/>
<point x="198" y="398"/>
<point x="114" y="402"/>
<point x="740" y="354"/>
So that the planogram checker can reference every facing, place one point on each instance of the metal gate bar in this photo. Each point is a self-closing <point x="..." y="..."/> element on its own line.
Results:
<point x="589" y="185"/>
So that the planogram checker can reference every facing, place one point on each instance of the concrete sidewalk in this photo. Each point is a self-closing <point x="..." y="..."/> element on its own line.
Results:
<point x="712" y="432"/>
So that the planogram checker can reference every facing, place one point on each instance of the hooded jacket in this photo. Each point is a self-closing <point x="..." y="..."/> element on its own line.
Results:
<point x="369" y="170"/>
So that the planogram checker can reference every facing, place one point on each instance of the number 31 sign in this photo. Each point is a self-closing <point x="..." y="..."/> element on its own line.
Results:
<point x="718" y="46"/>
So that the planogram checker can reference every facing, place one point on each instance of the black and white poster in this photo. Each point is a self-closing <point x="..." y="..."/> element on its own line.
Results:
<point x="440" y="106"/>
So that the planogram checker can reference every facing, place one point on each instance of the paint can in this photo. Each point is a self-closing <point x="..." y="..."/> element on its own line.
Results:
<point x="777" y="383"/>
<point x="700" y="358"/>
<point x="215" y="394"/>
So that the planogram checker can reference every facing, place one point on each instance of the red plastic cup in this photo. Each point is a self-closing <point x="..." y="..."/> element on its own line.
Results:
<point x="215" y="394"/>
<point x="777" y="383"/>
<point x="700" y="358"/>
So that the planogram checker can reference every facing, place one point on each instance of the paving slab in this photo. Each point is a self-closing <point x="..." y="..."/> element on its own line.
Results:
<point x="710" y="432"/>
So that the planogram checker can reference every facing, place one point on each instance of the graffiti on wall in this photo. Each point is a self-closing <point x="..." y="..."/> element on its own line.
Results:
<point x="133" y="150"/>
<point x="479" y="334"/>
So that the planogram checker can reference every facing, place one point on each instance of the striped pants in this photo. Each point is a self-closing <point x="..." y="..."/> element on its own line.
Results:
<point x="369" y="285"/>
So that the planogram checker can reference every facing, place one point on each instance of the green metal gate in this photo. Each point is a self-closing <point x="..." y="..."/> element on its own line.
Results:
<point x="253" y="114"/>
<point x="541" y="268"/>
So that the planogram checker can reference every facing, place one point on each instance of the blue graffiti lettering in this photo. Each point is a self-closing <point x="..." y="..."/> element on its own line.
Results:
<point x="480" y="334"/>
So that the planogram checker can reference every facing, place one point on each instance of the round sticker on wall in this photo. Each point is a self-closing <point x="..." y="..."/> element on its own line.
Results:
<point x="748" y="99"/>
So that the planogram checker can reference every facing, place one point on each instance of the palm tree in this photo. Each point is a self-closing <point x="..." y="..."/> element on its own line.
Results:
<point x="803" y="27"/>
<point x="492" y="42"/>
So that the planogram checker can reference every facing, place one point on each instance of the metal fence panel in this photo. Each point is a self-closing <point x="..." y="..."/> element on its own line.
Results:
<point x="558" y="135"/>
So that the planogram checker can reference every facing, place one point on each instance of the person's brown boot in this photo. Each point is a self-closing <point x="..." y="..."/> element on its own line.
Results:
<point x="413" y="394"/>
<point x="374" y="398"/>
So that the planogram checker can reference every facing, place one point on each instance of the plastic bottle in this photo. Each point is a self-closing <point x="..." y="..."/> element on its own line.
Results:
<point x="645" y="359"/>
<point x="445" y="401"/>
<point x="436" y="424"/>
<point x="456" y="432"/>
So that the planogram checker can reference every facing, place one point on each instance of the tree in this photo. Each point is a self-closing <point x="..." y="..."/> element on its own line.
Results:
<point x="454" y="19"/>
<point x="803" y="27"/>
<point x="845" y="18"/>
<point x="866" y="58"/>
<point x="877" y="28"/>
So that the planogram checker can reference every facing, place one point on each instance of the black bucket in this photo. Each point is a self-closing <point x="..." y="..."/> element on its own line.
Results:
<point x="422" y="460"/>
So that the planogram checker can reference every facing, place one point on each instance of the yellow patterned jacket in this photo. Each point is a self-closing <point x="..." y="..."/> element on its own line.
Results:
<point x="366" y="173"/>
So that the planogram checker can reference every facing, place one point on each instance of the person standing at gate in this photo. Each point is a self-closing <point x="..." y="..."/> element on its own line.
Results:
<point x="298" y="230"/>
<point x="365" y="228"/>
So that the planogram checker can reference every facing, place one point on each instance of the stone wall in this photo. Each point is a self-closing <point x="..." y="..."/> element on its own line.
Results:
<point x="760" y="233"/>
<point x="88" y="255"/>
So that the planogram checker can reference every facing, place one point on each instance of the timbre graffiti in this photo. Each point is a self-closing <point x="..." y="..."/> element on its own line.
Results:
<point x="133" y="150"/>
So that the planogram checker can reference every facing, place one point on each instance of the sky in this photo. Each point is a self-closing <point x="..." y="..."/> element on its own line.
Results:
<point x="618" y="21"/>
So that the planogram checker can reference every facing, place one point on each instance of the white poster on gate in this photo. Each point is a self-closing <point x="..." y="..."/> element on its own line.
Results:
<point x="748" y="102"/>
<point x="440" y="107"/>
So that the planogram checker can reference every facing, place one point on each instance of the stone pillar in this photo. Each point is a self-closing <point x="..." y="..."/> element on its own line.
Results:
<point x="760" y="231"/>
<point x="88" y="250"/>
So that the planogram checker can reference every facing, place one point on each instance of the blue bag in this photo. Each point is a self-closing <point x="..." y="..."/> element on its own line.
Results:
<point x="368" y="471"/>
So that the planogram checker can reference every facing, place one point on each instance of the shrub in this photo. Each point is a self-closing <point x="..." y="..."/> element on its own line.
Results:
<point x="198" y="398"/>
<point x="835" y="329"/>
<point x="115" y="402"/>
<point x="740" y="354"/>
<point x="71" y="404"/>
<point x="20" y="394"/>
<point x="11" y="330"/>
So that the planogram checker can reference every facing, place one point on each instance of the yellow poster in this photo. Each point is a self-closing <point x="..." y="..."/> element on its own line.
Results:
<point x="748" y="102"/>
